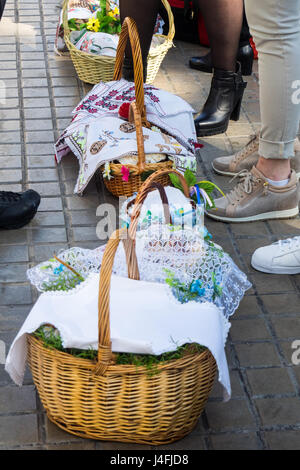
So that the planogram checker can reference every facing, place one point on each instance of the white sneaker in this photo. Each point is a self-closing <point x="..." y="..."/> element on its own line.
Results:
<point x="282" y="257"/>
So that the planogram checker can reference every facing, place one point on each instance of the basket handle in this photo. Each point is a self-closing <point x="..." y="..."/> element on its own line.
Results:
<point x="171" y="32"/>
<point x="135" y="116"/>
<point x="164" y="200"/>
<point x="129" y="29"/>
<point x="144" y="191"/>
<point x="104" y="341"/>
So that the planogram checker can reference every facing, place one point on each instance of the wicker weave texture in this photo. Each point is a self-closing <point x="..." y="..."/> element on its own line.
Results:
<point x="93" y="69"/>
<point x="123" y="405"/>
<point x="106" y="401"/>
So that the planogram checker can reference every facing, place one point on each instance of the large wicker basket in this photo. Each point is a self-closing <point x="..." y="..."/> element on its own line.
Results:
<point x="102" y="400"/>
<point x="116" y="185"/>
<point x="94" y="69"/>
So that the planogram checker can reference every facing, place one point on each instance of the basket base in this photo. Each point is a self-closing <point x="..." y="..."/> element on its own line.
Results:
<point x="168" y="438"/>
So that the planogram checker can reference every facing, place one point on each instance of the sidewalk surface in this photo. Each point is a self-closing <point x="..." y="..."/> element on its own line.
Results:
<point x="41" y="91"/>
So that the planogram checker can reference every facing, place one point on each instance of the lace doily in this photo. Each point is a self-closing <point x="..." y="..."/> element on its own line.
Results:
<point x="193" y="268"/>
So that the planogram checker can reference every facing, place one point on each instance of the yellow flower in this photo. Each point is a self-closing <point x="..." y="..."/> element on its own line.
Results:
<point x="114" y="12"/>
<point x="93" y="24"/>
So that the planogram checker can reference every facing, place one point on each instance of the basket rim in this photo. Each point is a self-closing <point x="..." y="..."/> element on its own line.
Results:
<point x="157" y="50"/>
<point x="119" y="369"/>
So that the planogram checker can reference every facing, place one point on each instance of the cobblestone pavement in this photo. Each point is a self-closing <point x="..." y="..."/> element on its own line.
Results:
<point x="264" y="412"/>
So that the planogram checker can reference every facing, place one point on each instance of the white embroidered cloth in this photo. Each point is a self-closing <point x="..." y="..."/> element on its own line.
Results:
<point x="105" y="138"/>
<point x="144" y="318"/>
<point x="164" y="109"/>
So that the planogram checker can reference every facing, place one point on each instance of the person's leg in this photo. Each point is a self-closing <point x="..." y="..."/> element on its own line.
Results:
<point x="223" y="20"/>
<point x="245" y="54"/>
<point x="270" y="190"/>
<point x="144" y="12"/>
<point x="277" y="38"/>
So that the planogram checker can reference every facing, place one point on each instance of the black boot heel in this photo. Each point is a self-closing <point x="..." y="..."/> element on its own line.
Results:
<point x="235" y="115"/>
<point x="223" y="102"/>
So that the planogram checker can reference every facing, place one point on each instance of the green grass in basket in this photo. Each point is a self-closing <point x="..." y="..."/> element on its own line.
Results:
<point x="53" y="340"/>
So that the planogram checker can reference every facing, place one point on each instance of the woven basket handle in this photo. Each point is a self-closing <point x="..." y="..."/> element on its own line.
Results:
<point x="164" y="200"/>
<point x="135" y="116"/>
<point x="144" y="191"/>
<point x="129" y="29"/>
<point x="104" y="342"/>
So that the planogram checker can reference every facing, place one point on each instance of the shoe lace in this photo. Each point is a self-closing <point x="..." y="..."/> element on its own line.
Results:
<point x="9" y="196"/>
<point x="288" y="244"/>
<point x="245" y="186"/>
<point x="249" y="148"/>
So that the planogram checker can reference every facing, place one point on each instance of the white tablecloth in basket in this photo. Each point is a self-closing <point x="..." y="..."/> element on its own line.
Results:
<point x="145" y="318"/>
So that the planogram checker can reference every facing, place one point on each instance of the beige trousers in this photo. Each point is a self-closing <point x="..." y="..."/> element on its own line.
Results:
<point x="275" y="27"/>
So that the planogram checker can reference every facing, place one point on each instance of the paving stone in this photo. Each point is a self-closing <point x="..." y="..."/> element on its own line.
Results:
<point x="48" y="218"/>
<point x="49" y="234"/>
<point x="20" y="429"/>
<point x="37" y="113"/>
<point x="44" y="252"/>
<point x="283" y="411"/>
<point x="270" y="283"/>
<point x="287" y="327"/>
<point x="45" y="161"/>
<point x="39" y="149"/>
<point x="42" y="175"/>
<point x="249" y="330"/>
<point x="13" y="253"/>
<point x="13" y="272"/>
<point x="49" y="189"/>
<point x="283" y="440"/>
<point x="230" y="415"/>
<point x="13" y="316"/>
<point x="14" y="399"/>
<point x="38" y="125"/>
<point x="281" y="303"/>
<point x="241" y="441"/>
<point x="36" y="102"/>
<point x="50" y="204"/>
<point x="270" y="381"/>
<point x="15" y="295"/>
<point x="257" y="354"/>
<point x="248" y="307"/>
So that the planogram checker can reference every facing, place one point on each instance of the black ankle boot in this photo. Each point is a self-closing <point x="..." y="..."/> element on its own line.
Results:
<point x="127" y="71"/>
<point x="245" y="57"/>
<point x="17" y="209"/>
<point x="223" y="102"/>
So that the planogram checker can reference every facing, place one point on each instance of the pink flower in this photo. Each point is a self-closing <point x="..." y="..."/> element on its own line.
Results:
<point x="125" y="174"/>
<point x="93" y="97"/>
<point x="92" y="110"/>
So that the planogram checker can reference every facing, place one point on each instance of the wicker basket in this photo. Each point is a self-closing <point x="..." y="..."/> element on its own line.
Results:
<point x="94" y="69"/>
<point x="102" y="400"/>
<point x="137" y="114"/>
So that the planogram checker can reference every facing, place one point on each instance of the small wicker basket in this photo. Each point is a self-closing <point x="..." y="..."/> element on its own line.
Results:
<point x="105" y="401"/>
<point x="93" y="69"/>
<point x="116" y="185"/>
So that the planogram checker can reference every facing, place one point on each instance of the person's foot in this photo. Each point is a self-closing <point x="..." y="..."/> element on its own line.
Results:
<point x="223" y="102"/>
<point x="17" y="209"/>
<point x="282" y="257"/>
<point x="253" y="198"/>
<point x="247" y="157"/>
<point x="245" y="57"/>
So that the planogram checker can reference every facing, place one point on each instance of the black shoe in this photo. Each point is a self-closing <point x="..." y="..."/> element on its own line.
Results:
<point x="17" y="209"/>
<point x="245" y="57"/>
<point x="223" y="102"/>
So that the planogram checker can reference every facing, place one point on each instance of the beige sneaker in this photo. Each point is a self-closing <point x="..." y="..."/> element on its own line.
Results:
<point x="247" y="157"/>
<point x="255" y="199"/>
